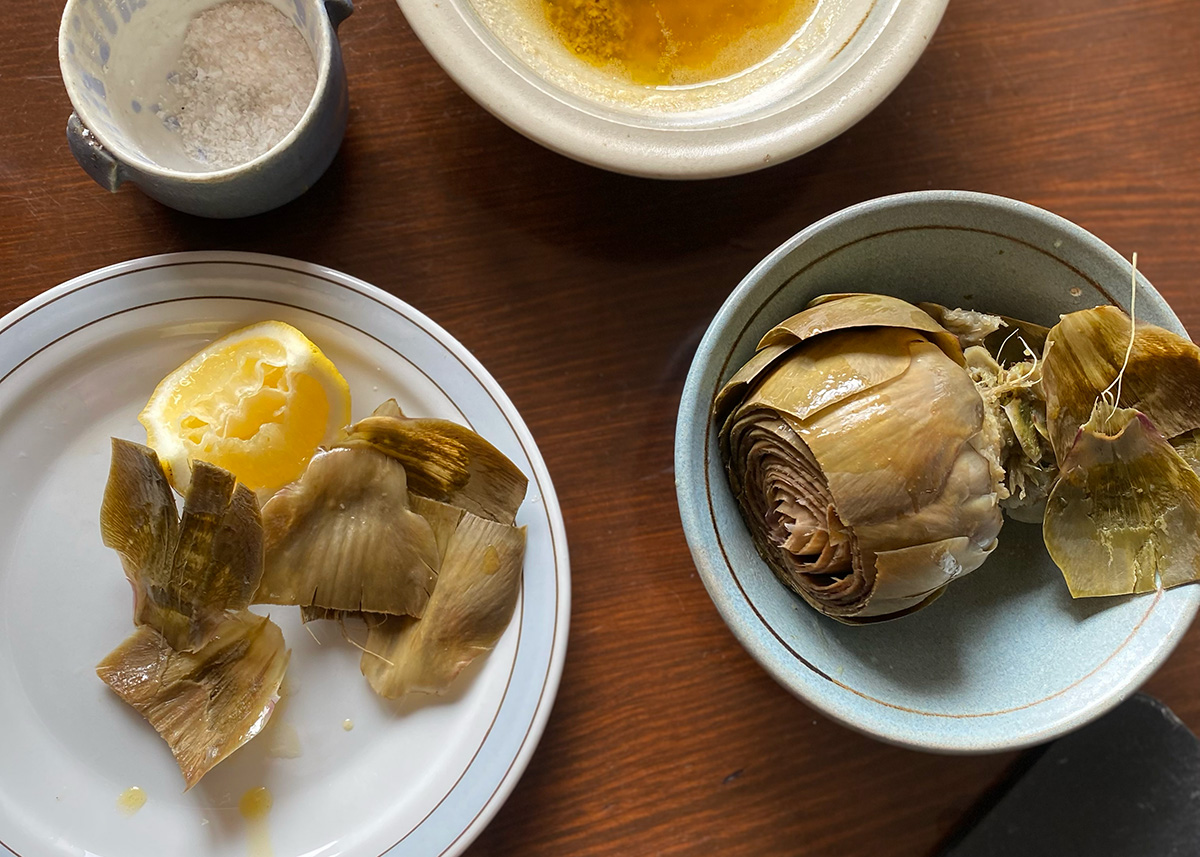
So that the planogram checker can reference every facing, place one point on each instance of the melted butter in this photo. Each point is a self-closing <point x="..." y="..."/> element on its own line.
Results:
<point x="255" y="806"/>
<point x="347" y="724"/>
<point x="131" y="800"/>
<point x="663" y="42"/>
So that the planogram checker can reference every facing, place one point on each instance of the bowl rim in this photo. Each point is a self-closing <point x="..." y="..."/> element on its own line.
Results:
<point x="759" y="639"/>
<point x="672" y="153"/>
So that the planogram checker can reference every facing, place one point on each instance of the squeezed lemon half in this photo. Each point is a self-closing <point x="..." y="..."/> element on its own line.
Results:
<point x="257" y="402"/>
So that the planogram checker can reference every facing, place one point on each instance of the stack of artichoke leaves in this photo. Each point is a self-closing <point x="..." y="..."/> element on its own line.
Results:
<point x="406" y="523"/>
<point x="873" y="447"/>
<point x="203" y="669"/>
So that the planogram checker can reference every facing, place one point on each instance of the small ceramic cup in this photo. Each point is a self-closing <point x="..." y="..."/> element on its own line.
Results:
<point x="115" y="56"/>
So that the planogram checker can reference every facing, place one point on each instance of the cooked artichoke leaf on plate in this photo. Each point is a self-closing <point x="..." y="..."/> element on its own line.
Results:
<point x="343" y="537"/>
<point x="188" y="573"/>
<point x="207" y="703"/>
<point x="473" y="603"/>
<point x="445" y="461"/>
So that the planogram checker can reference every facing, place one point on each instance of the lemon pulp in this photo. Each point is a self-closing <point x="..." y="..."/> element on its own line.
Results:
<point x="258" y="402"/>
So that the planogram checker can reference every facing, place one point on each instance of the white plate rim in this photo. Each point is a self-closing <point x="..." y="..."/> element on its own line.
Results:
<point x="466" y="829"/>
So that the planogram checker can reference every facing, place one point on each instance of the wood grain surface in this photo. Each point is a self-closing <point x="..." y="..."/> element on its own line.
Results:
<point x="585" y="294"/>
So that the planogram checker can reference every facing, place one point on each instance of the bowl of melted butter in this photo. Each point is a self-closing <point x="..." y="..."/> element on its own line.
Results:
<point x="677" y="89"/>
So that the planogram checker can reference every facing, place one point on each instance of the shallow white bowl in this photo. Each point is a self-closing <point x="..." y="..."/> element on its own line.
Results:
<point x="840" y="66"/>
<point x="1005" y="658"/>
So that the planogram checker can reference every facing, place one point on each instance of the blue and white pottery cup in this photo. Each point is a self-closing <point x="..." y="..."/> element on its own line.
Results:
<point x="115" y="57"/>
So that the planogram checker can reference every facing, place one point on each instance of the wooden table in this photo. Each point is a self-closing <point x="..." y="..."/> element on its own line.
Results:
<point x="585" y="294"/>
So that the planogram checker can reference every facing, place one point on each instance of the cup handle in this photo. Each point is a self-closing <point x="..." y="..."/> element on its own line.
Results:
<point x="338" y="11"/>
<point x="96" y="160"/>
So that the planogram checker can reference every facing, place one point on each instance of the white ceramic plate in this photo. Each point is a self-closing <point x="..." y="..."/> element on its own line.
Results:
<point x="419" y="778"/>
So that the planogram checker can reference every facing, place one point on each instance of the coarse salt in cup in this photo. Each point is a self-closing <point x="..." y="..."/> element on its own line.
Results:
<point x="222" y="109"/>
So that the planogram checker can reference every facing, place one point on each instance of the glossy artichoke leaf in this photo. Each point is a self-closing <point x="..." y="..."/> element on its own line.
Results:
<point x="1084" y="353"/>
<point x="474" y="601"/>
<point x="187" y="575"/>
<point x="208" y="703"/>
<point x="840" y="312"/>
<point x="342" y="537"/>
<point x="735" y="388"/>
<point x="1124" y="516"/>
<point x="447" y="462"/>
<point x="138" y="516"/>
<point x="833" y="368"/>
<point x="873" y="475"/>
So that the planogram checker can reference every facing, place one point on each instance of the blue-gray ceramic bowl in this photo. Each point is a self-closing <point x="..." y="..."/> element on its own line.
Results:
<point x="1006" y="658"/>
<point x="116" y="57"/>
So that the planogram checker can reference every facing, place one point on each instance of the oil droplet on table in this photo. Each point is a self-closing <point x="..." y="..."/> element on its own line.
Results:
<point x="347" y="724"/>
<point x="131" y="800"/>
<point x="255" y="806"/>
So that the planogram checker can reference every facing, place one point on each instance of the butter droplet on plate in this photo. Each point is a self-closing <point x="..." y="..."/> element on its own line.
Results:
<point x="131" y="800"/>
<point x="347" y="724"/>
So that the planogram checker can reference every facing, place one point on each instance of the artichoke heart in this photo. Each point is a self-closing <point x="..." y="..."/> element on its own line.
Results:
<point x="344" y="538"/>
<point x="445" y="461"/>
<point x="187" y="574"/>
<point x="473" y="603"/>
<point x="1124" y="516"/>
<point x="859" y="458"/>
<point x="208" y="703"/>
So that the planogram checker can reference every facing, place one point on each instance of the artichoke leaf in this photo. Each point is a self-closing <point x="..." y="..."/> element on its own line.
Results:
<point x="907" y="576"/>
<point x="735" y="388"/>
<point x="854" y="310"/>
<point x="187" y="574"/>
<point x="138" y="516"/>
<point x="1188" y="447"/>
<point x="446" y="462"/>
<point x="443" y="520"/>
<point x="343" y="537"/>
<point x="970" y="327"/>
<point x="474" y="601"/>
<point x="208" y="703"/>
<point x="1084" y="353"/>
<point x="833" y="368"/>
<point x="872" y="475"/>
<point x="1124" y="516"/>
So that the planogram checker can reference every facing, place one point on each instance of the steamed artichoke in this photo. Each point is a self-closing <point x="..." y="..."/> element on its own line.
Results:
<point x="855" y="443"/>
